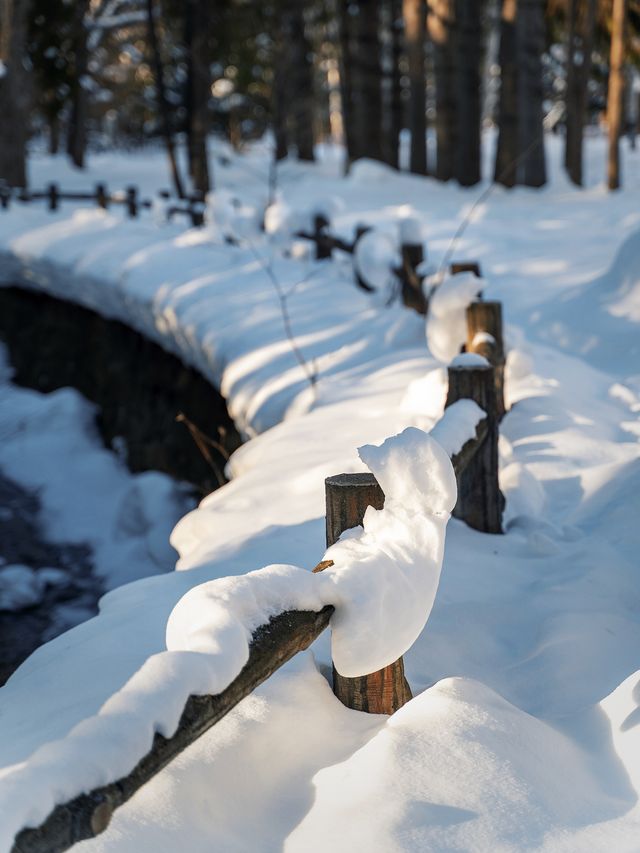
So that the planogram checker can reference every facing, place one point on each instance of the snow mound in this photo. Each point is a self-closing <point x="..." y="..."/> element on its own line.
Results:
<point x="386" y="578"/>
<point x="446" y="320"/>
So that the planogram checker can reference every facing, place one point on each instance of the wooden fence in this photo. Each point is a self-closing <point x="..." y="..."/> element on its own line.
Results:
<point x="480" y="505"/>
<point x="191" y="206"/>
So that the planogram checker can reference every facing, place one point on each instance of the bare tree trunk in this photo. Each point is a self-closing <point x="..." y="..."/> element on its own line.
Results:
<point x="415" y="23"/>
<point x="199" y="88"/>
<point x="469" y="108"/>
<point x="163" y="106"/>
<point x="530" y="38"/>
<point x="14" y="93"/>
<point x="395" y="105"/>
<point x="346" y="82"/>
<point x="579" y="50"/>
<point x="441" y="21"/>
<point x="367" y="82"/>
<point x="77" y="129"/>
<point x="614" y="98"/>
<point x="301" y="68"/>
<point x="507" y="150"/>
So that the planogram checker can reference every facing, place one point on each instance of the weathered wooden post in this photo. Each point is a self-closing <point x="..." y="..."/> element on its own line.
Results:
<point x="5" y="195"/>
<point x="53" y="195"/>
<point x="412" y="255"/>
<point x="382" y="692"/>
<point x="323" y="244"/>
<point x="480" y="501"/>
<point x="465" y="266"/>
<point x="132" y="201"/>
<point x="102" y="198"/>
<point x="484" y="336"/>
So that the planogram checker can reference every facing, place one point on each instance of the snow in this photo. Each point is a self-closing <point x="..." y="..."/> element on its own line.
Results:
<point x="469" y="359"/>
<point x="20" y="587"/>
<point x="446" y="320"/>
<point x="523" y="733"/>
<point x="399" y="555"/>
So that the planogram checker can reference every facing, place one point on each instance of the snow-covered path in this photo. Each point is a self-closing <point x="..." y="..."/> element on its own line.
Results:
<point x="524" y="733"/>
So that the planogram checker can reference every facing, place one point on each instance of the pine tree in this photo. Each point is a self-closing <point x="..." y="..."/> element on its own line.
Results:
<point x="14" y="92"/>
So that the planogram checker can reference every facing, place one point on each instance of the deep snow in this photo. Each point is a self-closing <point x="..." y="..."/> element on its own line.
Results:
<point x="524" y="733"/>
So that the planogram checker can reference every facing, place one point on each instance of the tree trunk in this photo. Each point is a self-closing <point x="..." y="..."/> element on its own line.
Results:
<point x="507" y="150"/>
<point x="441" y="21"/>
<point x="301" y="79"/>
<point x="367" y="83"/>
<point x="530" y="39"/>
<point x="579" y="50"/>
<point x="199" y="88"/>
<point x="395" y="105"/>
<point x="77" y="129"/>
<point x="614" y="98"/>
<point x="14" y="93"/>
<point x="415" y="23"/>
<point x="469" y="86"/>
<point x="346" y="83"/>
<point x="163" y="106"/>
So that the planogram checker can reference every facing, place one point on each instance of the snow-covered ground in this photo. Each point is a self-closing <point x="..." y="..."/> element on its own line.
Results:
<point x="524" y="733"/>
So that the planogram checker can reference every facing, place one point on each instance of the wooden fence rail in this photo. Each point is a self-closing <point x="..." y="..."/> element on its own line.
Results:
<point x="272" y="645"/>
<point x="192" y="206"/>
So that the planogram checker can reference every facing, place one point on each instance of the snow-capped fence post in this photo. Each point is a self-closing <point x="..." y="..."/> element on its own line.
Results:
<point x="53" y="195"/>
<point x="322" y="241"/>
<point x="382" y="692"/>
<point x="102" y="198"/>
<point x="480" y="501"/>
<point x="465" y="266"/>
<point x="484" y="336"/>
<point x="412" y="255"/>
<point x="132" y="202"/>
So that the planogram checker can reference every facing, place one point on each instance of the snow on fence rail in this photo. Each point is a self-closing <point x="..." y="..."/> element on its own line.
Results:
<point x="468" y="435"/>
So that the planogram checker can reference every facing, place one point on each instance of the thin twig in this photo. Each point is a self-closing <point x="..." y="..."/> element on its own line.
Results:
<point x="201" y="441"/>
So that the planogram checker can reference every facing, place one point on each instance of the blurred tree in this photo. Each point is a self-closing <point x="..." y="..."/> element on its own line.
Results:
<point x="520" y="155"/>
<point x="467" y="166"/>
<point x="293" y="83"/>
<point x="197" y="27"/>
<point x="415" y="23"/>
<point x="580" y="35"/>
<point x="361" y="60"/>
<point x="161" y="93"/>
<point x="50" y="53"/>
<point x="530" y="36"/>
<point x="77" y="130"/>
<point x="442" y="29"/>
<point x="616" y="88"/>
<point x="15" y="89"/>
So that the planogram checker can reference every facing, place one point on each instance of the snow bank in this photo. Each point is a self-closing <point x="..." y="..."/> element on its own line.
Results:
<point x="396" y="560"/>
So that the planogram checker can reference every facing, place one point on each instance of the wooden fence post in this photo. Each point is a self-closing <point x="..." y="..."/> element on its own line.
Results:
<point x="132" y="202"/>
<point x="102" y="198"/>
<point x="53" y="195"/>
<point x="412" y="254"/>
<point x="382" y="692"/>
<point x="480" y="501"/>
<point x="465" y="266"/>
<point x="5" y="195"/>
<point x="323" y="245"/>
<point x="484" y="336"/>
